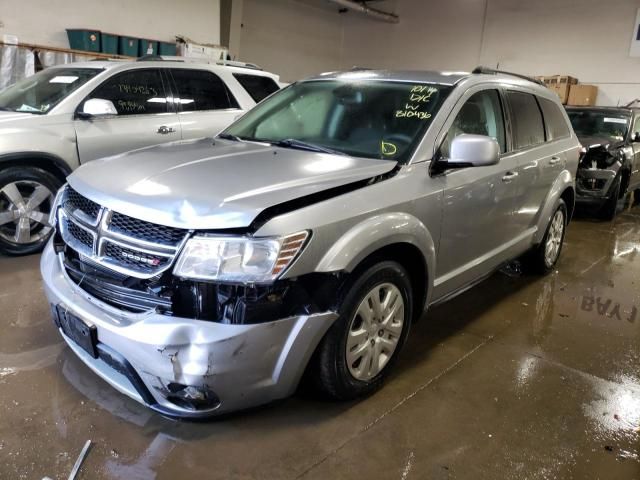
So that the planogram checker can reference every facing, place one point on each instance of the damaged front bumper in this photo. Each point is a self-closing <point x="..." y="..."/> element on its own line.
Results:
<point x="593" y="185"/>
<point x="180" y="366"/>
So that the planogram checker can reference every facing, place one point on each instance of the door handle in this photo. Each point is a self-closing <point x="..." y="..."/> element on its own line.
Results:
<point x="509" y="176"/>
<point x="164" y="130"/>
<point x="554" y="160"/>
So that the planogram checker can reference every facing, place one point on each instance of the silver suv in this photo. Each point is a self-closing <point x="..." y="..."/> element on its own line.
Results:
<point x="64" y="116"/>
<point x="209" y="276"/>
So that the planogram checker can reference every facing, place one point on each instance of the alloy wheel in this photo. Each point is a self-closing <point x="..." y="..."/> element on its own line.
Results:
<point x="374" y="331"/>
<point x="554" y="238"/>
<point x="24" y="211"/>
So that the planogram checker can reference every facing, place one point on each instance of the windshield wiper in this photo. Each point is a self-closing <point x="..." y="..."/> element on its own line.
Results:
<point x="229" y="136"/>
<point x="294" y="143"/>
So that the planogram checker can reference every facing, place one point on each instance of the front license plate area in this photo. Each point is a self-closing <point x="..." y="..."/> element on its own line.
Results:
<point x="86" y="336"/>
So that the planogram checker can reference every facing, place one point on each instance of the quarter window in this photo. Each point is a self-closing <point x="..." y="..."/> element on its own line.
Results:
<point x="480" y="115"/>
<point x="257" y="86"/>
<point x="553" y="117"/>
<point x="136" y="92"/>
<point x="528" y="129"/>
<point x="199" y="90"/>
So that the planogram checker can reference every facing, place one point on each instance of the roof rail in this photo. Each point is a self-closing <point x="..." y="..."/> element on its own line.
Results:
<point x="491" y="71"/>
<point x="166" y="58"/>
<point x="233" y="63"/>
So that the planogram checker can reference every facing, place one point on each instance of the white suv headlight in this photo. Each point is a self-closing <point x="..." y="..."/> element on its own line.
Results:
<point x="238" y="259"/>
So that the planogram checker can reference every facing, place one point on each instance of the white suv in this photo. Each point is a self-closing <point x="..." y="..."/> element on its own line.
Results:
<point x="64" y="116"/>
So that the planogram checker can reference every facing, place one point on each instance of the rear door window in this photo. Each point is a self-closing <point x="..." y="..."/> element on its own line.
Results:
<point x="199" y="90"/>
<point x="136" y="92"/>
<point x="554" y="119"/>
<point x="257" y="86"/>
<point x="528" y="127"/>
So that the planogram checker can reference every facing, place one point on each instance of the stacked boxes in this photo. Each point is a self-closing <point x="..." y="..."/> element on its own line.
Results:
<point x="570" y="91"/>
<point x="95" y="41"/>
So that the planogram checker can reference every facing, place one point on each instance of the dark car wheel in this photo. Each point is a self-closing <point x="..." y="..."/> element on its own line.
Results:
<point x="26" y="198"/>
<point x="544" y="256"/>
<point x="361" y="346"/>
<point x="610" y="207"/>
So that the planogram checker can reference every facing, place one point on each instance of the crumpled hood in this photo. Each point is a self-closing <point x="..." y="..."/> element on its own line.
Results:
<point x="204" y="184"/>
<point x="605" y="142"/>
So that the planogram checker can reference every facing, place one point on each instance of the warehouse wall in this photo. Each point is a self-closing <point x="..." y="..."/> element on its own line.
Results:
<point x="588" y="39"/>
<point x="44" y="21"/>
<point x="293" y="38"/>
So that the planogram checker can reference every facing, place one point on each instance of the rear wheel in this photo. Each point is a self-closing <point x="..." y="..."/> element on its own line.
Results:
<point x="544" y="256"/>
<point x="26" y="198"/>
<point x="360" y="348"/>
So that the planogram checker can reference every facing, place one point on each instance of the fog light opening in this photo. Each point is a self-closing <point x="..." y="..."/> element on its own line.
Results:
<point x="192" y="397"/>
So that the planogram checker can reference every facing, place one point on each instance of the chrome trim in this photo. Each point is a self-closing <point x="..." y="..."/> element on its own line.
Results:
<point x="102" y="236"/>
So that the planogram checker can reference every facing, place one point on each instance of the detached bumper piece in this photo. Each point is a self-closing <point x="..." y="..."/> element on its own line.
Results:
<point x="592" y="186"/>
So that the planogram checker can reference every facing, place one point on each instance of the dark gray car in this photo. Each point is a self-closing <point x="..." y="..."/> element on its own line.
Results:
<point x="609" y="165"/>
<point x="205" y="276"/>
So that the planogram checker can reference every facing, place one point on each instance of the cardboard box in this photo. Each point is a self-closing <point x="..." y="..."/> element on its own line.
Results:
<point x="562" y="90"/>
<point x="582" y="95"/>
<point x="559" y="79"/>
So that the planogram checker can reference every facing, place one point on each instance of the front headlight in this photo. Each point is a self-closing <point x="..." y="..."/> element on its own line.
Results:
<point x="238" y="259"/>
<point x="53" y="214"/>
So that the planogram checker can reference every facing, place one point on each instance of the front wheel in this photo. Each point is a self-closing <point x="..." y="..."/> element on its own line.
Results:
<point x="26" y="198"/>
<point x="544" y="256"/>
<point x="610" y="207"/>
<point x="360" y="348"/>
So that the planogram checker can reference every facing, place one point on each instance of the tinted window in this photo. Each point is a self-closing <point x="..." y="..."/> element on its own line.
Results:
<point x="528" y="129"/>
<point x="257" y="86"/>
<point x="200" y="90"/>
<point x="556" y="124"/>
<point x="480" y="115"/>
<point x="599" y="123"/>
<point x="136" y="92"/>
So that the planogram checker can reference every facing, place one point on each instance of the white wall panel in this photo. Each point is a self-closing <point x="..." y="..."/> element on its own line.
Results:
<point x="44" y="21"/>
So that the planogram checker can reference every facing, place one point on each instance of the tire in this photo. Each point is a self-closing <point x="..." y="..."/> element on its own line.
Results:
<point x="538" y="261"/>
<point x="610" y="207"/>
<point x="26" y="197"/>
<point x="334" y="371"/>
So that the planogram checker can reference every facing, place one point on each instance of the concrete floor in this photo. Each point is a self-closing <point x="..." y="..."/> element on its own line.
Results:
<point x="521" y="377"/>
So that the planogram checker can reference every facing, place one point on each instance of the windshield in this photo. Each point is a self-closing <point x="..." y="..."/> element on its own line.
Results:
<point x="611" y="125"/>
<point x="374" y="119"/>
<point x="44" y="90"/>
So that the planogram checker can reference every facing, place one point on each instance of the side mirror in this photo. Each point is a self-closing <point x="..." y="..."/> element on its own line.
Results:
<point x="473" y="151"/>
<point x="98" y="107"/>
<point x="636" y="137"/>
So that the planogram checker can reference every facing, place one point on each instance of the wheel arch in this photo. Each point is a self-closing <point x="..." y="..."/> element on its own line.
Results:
<point x="563" y="188"/>
<point x="46" y="161"/>
<point x="390" y="236"/>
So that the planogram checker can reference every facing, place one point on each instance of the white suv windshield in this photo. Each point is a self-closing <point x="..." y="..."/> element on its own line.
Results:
<point x="374" y="119"/>
<point x="44" y="90"/>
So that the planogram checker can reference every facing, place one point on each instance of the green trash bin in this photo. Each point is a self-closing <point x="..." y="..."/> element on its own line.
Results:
<point x="83" y="39"/>
<point x="147" y="47"/>
<point x="166" y="48"/>
<point x="109" y="43"/>
<point x="128" y="46"/>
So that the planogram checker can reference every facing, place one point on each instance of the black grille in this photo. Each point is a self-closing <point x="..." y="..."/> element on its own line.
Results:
<point x="147" y="231"/>
<point x="134" y="259"/>
<point x="116" y="289"/>
<point x="74" y="201"/>
<point x="80" y="234"/>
